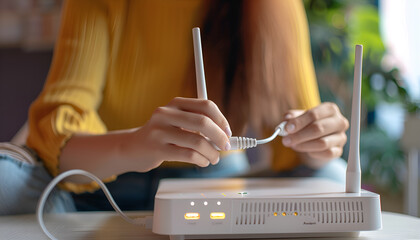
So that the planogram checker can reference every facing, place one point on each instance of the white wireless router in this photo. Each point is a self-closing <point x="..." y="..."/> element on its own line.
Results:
<point x="271" y="208"/>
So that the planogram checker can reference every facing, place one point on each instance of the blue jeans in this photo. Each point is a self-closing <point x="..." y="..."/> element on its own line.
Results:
<point x="21" y="185"/>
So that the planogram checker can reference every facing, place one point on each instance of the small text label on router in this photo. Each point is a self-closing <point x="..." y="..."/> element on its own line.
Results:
<point x="217" y="223"/>
<point x="309" y="223"/>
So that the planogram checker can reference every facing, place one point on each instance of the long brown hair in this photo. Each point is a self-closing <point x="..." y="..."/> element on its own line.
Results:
<point x="247" y="54"/>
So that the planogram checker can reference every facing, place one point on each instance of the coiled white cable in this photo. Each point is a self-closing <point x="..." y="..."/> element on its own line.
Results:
<point x="144" y="221"/>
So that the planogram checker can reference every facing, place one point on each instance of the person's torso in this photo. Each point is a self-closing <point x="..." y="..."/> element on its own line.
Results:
<point x="153" y="60"/>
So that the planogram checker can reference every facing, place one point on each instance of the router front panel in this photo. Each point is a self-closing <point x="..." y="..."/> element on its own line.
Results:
<point x="233" y="210"/>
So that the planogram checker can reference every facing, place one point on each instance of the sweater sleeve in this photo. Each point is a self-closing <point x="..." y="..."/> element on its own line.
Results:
<point x="307" y="94"/>
<point x="72" y="93"/>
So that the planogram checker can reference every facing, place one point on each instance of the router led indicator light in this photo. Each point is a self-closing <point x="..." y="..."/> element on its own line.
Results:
<point x="192" y="203"/>
<point x="283" y="213"/>
<point x="243" y="194"/>
<point x="192" y="216"/>
<point x="219" y="203"/>
<point x="206" y="203"/>
<point x="275" y="214"/>
<point x="217" y="215"/>
<point x="295" y="213"/>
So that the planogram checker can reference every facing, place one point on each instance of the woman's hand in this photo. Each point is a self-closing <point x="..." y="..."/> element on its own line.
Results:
<point x="318" y="132"/>
<point x="179" y="131"/>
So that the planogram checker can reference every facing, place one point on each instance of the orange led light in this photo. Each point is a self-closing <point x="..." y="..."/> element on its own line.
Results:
<point x="217" y="215"/>
<point x="192" y="216"/>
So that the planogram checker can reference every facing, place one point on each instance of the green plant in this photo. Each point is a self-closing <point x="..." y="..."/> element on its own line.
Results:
<point x="336" y="26"/>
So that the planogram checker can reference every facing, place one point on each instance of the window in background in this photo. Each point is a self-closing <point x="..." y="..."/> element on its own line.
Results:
<point x="401" y="35"/>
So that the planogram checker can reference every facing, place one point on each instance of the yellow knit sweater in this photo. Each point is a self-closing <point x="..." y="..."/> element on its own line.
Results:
<point x="115" y="61"/>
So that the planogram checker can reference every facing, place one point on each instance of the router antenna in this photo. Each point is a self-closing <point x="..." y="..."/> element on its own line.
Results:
<point x="199" y="65"/>
<point x="353" y="175"/>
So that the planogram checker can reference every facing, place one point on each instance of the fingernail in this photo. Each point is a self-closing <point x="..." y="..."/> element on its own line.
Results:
<point x="286" y="141"/>
<point x="290" y="127"/>
<point x="228" y="131"/>
<point x="227" y="146"/>
<point x="288" y="116"/>
<point x="217" y="161"/>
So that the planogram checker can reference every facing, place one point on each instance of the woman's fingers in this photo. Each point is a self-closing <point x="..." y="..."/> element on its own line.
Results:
<point x="193" y="141"/>
<point x="192" y="122"/>
<point x="323" y="143"/>
<point x="293" y="113"/>
<point x="188" y="155"/>
<point x="322" y="111"/>
<point x="330" y="153"/>
<point x="316" y="130"/>
<point x="205" y="107"/>
<point x="185" y="130"/>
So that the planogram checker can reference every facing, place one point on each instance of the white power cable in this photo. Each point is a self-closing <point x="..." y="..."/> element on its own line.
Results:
<point x="144" y="221"/>
<point x="269" y="139"/>
<point x="244" y="142"/>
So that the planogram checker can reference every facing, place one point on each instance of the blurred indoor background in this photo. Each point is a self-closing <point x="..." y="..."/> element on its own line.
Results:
<point x="390" y="136"/>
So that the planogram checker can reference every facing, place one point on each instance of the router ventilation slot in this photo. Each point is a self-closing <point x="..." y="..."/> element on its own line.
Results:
<point x="324" y="212"/>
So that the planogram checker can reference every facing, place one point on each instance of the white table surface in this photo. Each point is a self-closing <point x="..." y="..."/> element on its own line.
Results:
<point x="108" y="225"/>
